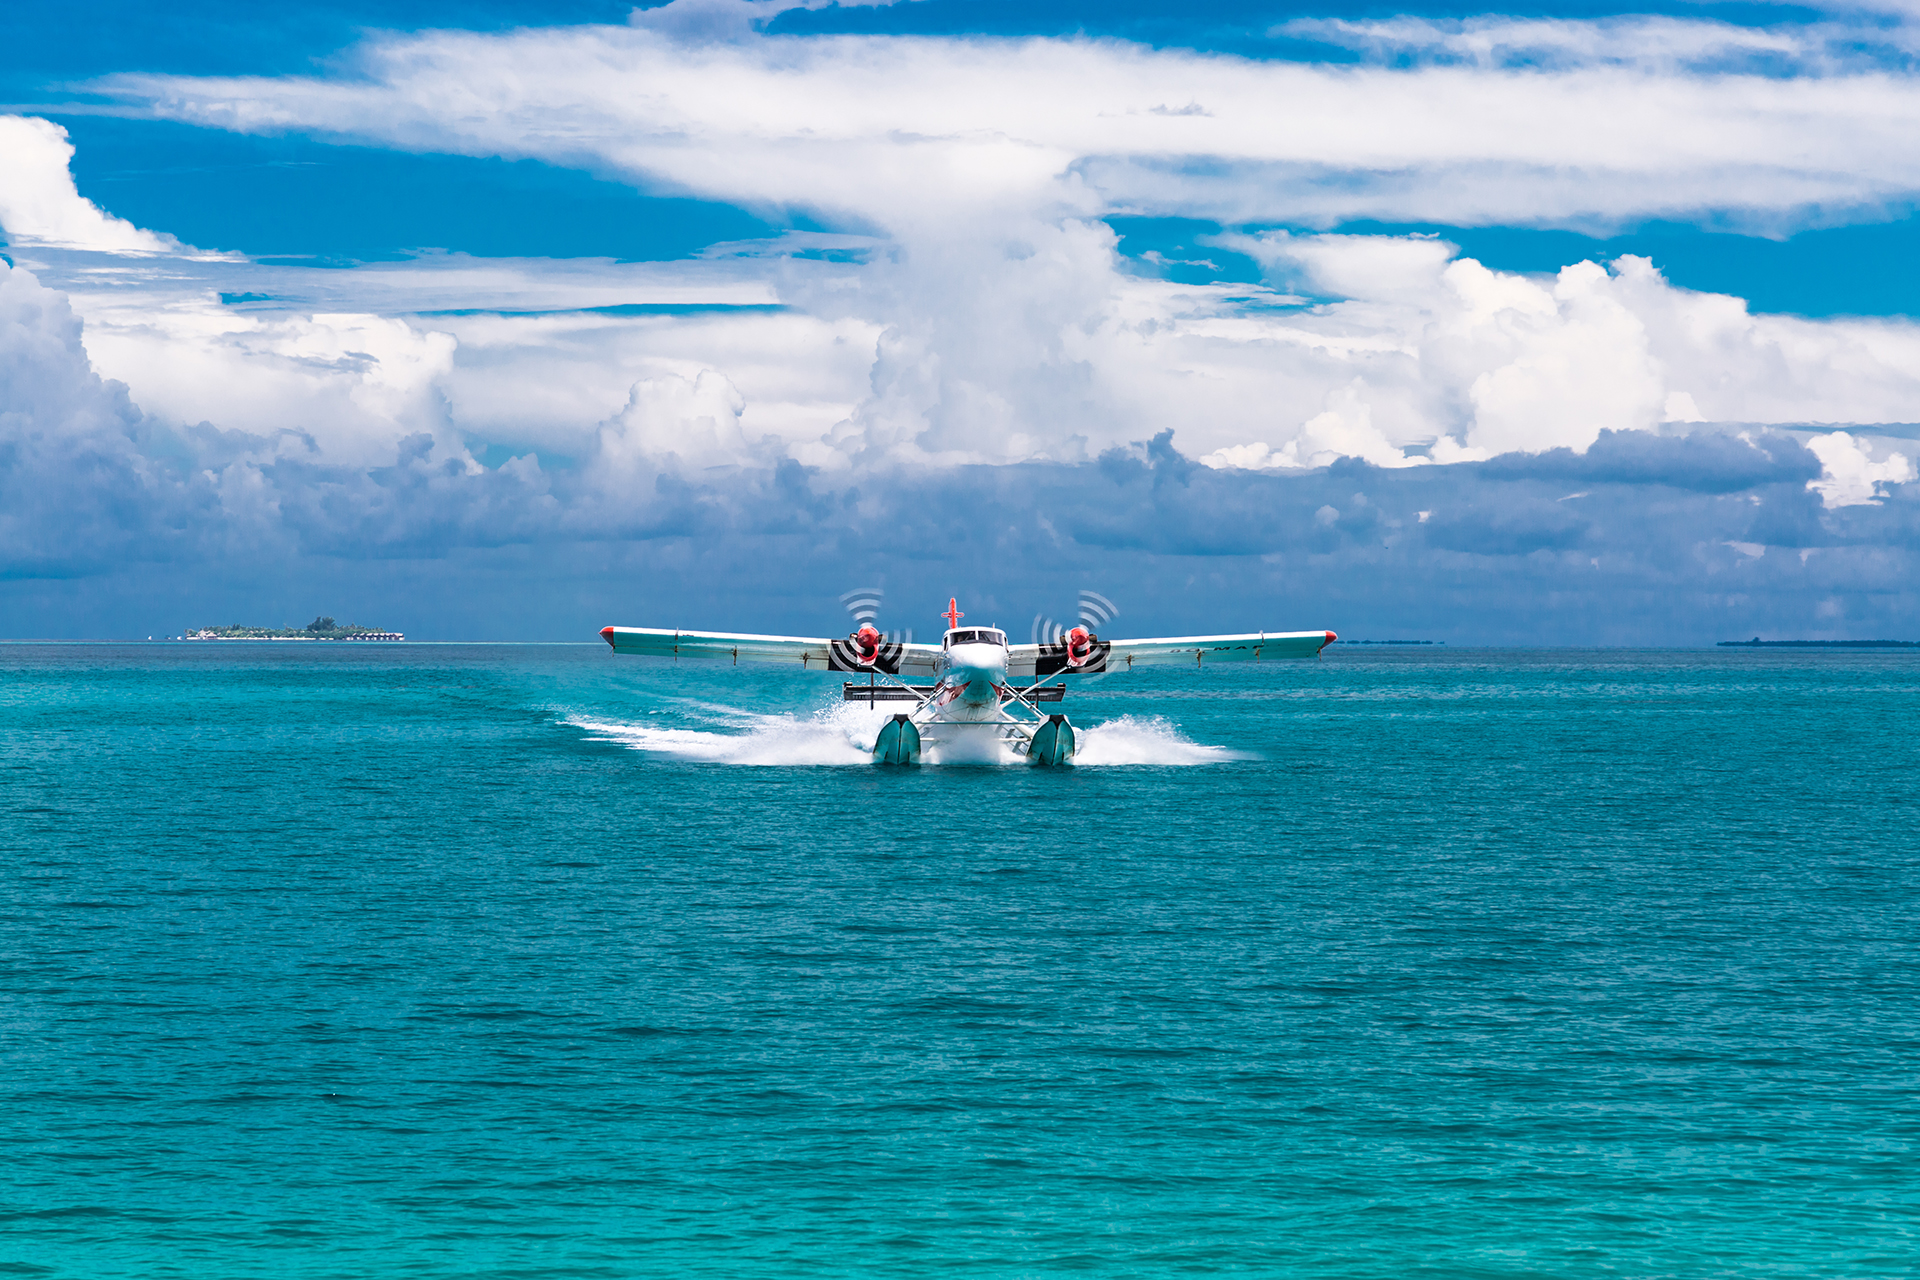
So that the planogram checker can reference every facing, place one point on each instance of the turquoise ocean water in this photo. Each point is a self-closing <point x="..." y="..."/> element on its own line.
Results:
<point x="331" y="961"/>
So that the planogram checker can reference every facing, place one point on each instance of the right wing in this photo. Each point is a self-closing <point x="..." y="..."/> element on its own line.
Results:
<point x="1039" y="661"/>
<point x="804" y="651"/>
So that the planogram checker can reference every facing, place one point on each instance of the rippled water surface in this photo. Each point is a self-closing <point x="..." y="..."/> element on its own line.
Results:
<point x="530" y="961"/>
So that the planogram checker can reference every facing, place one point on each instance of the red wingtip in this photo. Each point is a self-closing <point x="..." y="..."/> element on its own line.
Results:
<point x="1330" y="639"/>
<point x="606" y="633"/>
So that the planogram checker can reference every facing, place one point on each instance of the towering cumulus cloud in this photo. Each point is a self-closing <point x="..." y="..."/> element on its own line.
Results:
<point x="39" y="202"/>
<point x="965" y="362"/>
<point x="76" y="488"/>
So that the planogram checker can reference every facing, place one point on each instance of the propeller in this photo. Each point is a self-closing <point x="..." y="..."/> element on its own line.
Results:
<point x="863" y="606"/>
<point x="1046" y="630"/>
<point x="1096" y="611"/>
<point x="863" y="603"/>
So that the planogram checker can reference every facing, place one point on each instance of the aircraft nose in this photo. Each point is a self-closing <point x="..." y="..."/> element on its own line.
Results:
<point x="981" y="682"/>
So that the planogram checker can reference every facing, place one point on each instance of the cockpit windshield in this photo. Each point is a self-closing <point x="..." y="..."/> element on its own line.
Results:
<point x="985" y="636"/>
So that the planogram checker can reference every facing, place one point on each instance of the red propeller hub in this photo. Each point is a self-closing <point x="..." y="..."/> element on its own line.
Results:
<point x="866" y="644"/>
<point x="1079" y="646"/>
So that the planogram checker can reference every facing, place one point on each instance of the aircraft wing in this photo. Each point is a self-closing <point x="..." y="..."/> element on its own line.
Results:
<point x="1030" y="661"/>
<point x="805" y="652"/>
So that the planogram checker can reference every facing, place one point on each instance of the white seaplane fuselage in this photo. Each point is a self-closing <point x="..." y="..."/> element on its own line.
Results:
<point x="966" y="722"/>
<point x="975" y="676"/>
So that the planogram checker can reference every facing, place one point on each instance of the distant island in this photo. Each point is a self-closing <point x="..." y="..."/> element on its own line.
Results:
<point x="319" y="629"/>
<point x="1758" y="643"/>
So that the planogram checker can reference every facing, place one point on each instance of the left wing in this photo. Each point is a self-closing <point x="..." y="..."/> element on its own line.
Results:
<point x="1035" y="661"/>
<point x="805" y="652"/>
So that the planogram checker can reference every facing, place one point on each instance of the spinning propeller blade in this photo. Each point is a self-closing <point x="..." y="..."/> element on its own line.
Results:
<point x="863" y="603"/>
<point x="1096" y="610"/>
<point x="863" y="606"/>
<point x="1046" y="630"/>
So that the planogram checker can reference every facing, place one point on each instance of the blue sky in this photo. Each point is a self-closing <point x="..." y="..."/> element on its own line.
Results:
<point x="1569" y="324"/>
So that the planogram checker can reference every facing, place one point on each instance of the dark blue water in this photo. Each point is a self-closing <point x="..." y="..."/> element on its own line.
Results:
<point x="469" y="961"/>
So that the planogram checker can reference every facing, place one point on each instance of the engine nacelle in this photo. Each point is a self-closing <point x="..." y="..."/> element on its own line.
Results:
<point x="1079" y="642"/>
<point x="866" y="645"/>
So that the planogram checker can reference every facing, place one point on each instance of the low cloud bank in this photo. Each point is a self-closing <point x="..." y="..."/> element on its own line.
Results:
<point x="1638" y="539"/>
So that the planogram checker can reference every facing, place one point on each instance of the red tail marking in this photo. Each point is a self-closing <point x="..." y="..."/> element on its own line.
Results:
<point x="953" y="614"/>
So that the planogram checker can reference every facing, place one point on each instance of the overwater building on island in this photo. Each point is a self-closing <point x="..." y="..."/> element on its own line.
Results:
<point x="329" y="632"/>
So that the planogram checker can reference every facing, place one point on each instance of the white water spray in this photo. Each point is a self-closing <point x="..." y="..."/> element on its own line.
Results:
<point x="844" y="735"/>
<point x="1146" y="740"/>
<point x="840" y="735"/>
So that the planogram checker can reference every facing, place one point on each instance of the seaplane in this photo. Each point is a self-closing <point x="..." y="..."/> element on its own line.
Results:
<point x="977" y="698"/>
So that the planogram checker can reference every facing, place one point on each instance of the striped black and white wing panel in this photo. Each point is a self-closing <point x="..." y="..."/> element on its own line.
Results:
<point x="804" y="652"/>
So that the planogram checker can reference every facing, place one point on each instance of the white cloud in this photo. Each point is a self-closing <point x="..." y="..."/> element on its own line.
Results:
<point x="1659" y="43"/>
<point x="347" y="384"/>
<point x="1039" y="348"/>
<point x="1002" y="324"/>
<point x="1679" y="407"/>
<point x="76" y="489"/>
<point x="465" y="349"/>
<point x="1478" y="362"/>
<point x="1849" y="477"/>
<point x="1377" y="268"/>
<point x="993" y="319"/>
<point x="977" y="127"/>
<point x="696" y="420"/>
<point x="1577" y="362"/>
<point x="547" y="381"/>
<point x="40" y="204"/>
<point x="94" y="490"/>
<point x="1343" y="430"/>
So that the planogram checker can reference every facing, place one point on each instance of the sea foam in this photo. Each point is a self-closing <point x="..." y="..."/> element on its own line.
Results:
<point x="840" y="735"/>
<point x="1145" y="740"/>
